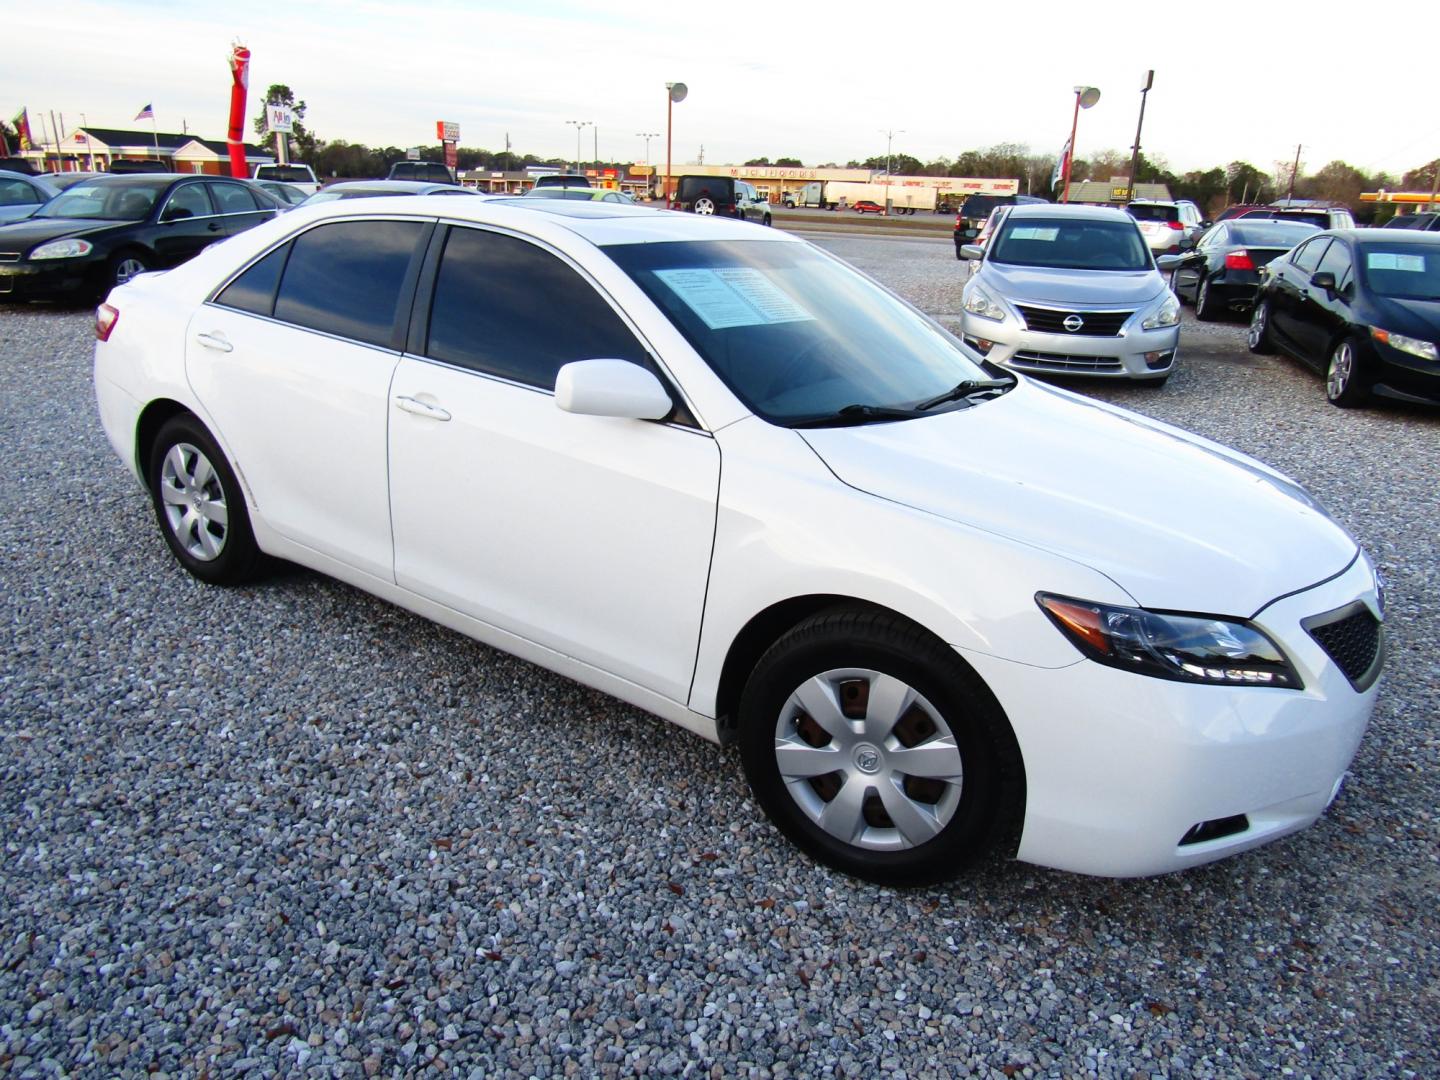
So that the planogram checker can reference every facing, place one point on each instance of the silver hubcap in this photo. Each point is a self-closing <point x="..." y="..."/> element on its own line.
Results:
<point x="704" y="206"/>
<point x="1342" y="367"/>
<point x="868" y="759"/>
<point x="194" y="502"/>
<point x="1257" y="326"/>
<point x="127" y="269"/>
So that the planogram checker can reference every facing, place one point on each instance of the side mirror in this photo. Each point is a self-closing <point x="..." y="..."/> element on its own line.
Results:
<point x="1187" y="243"/>
<point x="1166" y="263"/>
<point x="1323" y="279"/>
<point x="611" y="388"/>
<point x="176" y="213"/>
<point x="972" y="251"/>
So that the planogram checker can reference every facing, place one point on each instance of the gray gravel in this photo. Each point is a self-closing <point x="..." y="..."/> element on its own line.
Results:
<point x="290" y="829"/>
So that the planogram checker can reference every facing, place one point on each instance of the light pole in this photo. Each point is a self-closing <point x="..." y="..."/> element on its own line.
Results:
<point x="647" y="136"/>
<point x="889" y="137"/>
<point x="580" y="126"/>
<point x="674" y="91"/>
<point x="1135" y="150"/>
<point x="1085" y="96"/>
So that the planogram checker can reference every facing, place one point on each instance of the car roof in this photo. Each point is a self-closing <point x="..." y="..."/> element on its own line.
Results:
<point x="1068" y="210"/>
<point x="397" y="187"/>
<point x="599" y="223"/>
<point x="1386" y="236"/>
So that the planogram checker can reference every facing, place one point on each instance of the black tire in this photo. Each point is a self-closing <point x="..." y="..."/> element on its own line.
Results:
<point x="975" y="816"/>
<point x="767" y="221"/>
<point x="187" y="498"/>
<point x="1207" y="308"/>
<point x="124" y="265"/>
<point x="1346" y="384"/>
<point x="1257" y="337"/>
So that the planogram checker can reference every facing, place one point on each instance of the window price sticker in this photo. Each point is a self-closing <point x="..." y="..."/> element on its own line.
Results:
<point x="736" y="297"/>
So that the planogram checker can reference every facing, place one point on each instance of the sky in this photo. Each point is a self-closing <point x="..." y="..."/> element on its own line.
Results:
<point x="822" y="81"/>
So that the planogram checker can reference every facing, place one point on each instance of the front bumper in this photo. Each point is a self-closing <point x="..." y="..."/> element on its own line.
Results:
<point x="1132" y="354"/>
<point x="1120" y="767"/>
<point x="48" y="279"/>
<point x="1403" y="376"/>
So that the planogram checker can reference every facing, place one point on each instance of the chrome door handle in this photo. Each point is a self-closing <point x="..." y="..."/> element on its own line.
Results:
<point x="215" y="341"/>
<point x="420" y="408"/>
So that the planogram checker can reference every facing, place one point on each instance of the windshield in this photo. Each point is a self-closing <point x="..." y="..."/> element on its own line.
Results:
<point x="1070" y="244"/>
<point x="114" y="202"/>
<point x="1402" y="271"/>
<point x="1281" y="234"/>
<point x="796" y="334"/>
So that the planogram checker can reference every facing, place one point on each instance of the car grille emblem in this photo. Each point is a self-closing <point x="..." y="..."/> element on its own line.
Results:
<point x="1073" y="323"/>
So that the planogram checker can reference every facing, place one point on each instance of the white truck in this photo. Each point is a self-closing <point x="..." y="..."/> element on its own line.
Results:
<point x="297" y="175"/>
<point x="835" y="194"/>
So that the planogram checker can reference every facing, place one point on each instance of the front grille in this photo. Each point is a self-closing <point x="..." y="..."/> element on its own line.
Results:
<point x="9" y="256"/>
<point x="1067" y="362"/>
<point x="1094" y="323"/>
<point x="1353" y="638"/>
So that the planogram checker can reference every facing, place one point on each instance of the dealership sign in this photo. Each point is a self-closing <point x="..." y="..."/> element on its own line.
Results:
<point x="279" y="118"/>
<point x="447" y="131"/>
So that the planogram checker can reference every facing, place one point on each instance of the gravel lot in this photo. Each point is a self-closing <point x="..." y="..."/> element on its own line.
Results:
<point x="291" y="829"/>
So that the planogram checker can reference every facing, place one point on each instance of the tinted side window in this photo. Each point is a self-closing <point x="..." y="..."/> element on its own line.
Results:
<point x="507" y="308"/>
<point x="1336" y="261"/>
<point x="233" y="199"/>
<point x="1308" y="257"/>
<point x="254" y="290"/>
<point x="17" y="193"/>
<point x="188" y="200"/>
<point x="345" y="278"/>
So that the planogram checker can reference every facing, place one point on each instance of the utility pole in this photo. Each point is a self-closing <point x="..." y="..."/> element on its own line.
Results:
<point x="1135" y="150"/>
<point x="580" y="126"/>
<point x="889" y="138"/>
<point x="595" y="147"/>
<point x="1434" y="187"/>
<point x="1294" y="172"/>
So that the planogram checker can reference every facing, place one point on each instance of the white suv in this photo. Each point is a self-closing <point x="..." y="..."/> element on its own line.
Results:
<point x="1165" y="224"/>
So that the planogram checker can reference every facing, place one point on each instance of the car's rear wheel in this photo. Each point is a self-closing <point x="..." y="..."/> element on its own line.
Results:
<point x="1345" y="383"/>
<point x="877" y="751"/>
<point x="705" y="205"/>
<point x="767" y="220"/>
<point x="1207" y="309"/>
<point x="1257" y="337"/>
<point x="199" y="504"/>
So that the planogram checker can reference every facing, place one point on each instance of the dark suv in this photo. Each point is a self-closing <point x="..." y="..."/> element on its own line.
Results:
<point x="427" y="172"/>
<point x="722" y="195"/>
<point x="1423" y="222"/>
<point x="976" y="208"/>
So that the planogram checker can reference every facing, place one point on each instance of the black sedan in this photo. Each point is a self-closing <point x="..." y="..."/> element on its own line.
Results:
<point x="1223" y="271"/>
<point x="104" y="231"/>
<point x="1361" y="305"/>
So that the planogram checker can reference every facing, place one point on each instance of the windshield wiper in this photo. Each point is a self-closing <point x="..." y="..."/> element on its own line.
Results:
<point x="965" y="389"/>
<point x="856" y="414"/>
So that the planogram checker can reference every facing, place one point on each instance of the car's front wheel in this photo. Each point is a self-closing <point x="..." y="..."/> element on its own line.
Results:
<point x="1345" y="384"/>
<point x="199" y="504"/>
<point x="876" y="750"/>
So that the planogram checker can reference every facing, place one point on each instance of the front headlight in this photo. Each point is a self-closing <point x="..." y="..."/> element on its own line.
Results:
<point x="1185" y="648"/>
<point x="1167" y="314"/>
<point x="979" y="302"/>
<point x="1414" y="346"/>
<point x="62" y="249"/>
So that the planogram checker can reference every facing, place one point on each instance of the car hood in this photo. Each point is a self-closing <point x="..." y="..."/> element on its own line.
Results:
<point x="1072" y="288"/>
<point x="1177" y="522"/>
<point x="1419" y="318"/>
<point x="32" y="231"/>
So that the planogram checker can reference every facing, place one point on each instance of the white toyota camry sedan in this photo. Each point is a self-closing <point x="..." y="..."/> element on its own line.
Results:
<point x="941" y="610"/>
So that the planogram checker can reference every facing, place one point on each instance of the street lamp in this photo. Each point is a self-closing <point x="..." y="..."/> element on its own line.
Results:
<point x="579" y="125"/>
<point x="1085" y="96"/>
<point x="1135" y="150"/>
<point x="647" y="136"/>
<point x="674" y="92"/>
<point x="889" y="137"/>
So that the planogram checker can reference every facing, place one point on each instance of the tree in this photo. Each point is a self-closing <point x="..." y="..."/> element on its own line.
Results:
<point x="758" y="161"/>
<point x="1244" y="183"/>
<point x="1421" y="178"/>
<point x="280" y="94"/>
<point x="1339" y="182"/>
<point x="789" y="163"/>
<point x="9" y="139"/>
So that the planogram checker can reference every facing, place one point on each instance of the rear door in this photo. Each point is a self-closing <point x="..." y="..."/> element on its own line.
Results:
<point x="237" y="205"/>
<point x="187" y="224"/>
<point x="292" y="361"/>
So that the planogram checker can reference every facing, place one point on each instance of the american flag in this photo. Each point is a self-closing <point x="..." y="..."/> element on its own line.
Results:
<point x="147" y="113"/>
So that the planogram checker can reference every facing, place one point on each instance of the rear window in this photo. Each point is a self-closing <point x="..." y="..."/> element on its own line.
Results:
<point x="290" y="174"/>
<point x="717" y="187"/>
<point x="979" y="206"/>
<point x="1142" y="212"/>
<point x="1318" y="218"/>
<point x="1257" y="232"/>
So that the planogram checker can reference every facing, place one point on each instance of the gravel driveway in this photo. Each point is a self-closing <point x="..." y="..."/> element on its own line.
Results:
<point x="289" y="828"/>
